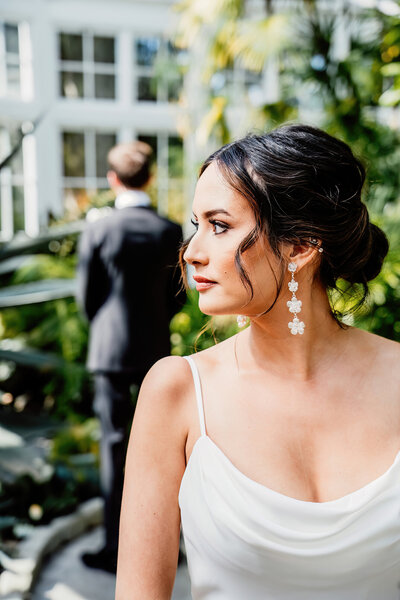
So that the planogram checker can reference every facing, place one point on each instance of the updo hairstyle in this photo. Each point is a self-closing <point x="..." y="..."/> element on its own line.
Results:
<point x="304" y="187"/>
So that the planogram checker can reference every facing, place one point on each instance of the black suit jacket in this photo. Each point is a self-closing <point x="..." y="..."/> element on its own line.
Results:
<point x="128" y="285"/>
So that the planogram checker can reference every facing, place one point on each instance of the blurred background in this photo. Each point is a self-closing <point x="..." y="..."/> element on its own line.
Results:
<point x="78" y="76"/>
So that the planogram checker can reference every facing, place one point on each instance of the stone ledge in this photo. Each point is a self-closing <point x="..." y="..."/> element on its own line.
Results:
<point x="18" y="578"/>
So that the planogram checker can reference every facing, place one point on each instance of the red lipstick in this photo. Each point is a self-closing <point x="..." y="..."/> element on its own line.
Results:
<point x="202" y="283"/>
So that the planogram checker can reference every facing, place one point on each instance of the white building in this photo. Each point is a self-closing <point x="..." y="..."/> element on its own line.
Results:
<point x="82" y="72"/>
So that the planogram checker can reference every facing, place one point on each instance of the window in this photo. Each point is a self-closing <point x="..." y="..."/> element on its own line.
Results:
<point x="87" y="66"/>
<point x="160" y="68"/>
<point x="16" y="77"/>
<point x="12" y="204"/>
<point x="84" y="166"/>
<point x="168" y="187"/>
<point x="237" y="84"/>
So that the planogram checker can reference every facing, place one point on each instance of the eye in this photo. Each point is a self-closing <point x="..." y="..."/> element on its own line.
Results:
<point x="194" y="223"/>
<point x="219" y="227"/>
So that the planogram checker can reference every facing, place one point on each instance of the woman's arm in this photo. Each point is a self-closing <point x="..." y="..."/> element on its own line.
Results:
<point x="150" y="517"/>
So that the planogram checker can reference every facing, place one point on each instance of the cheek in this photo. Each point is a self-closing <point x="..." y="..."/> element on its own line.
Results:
<point x="260" y="269"/>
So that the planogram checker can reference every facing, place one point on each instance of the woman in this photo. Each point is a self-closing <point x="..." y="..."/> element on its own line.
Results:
<point x="279" y="447"/>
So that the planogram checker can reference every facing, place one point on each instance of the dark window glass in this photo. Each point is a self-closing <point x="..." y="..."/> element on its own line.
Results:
<point x="70" y="46"/>
<point x="146" y="51"/>
<point x="74" y="154"/>
<point x="104" y="142"/>
<point x="151" y="140"/>
<point x="179" y="55"/>
<point x="11" y="36"/>
<point x="104" y="49"/>
<point x="147" y="89"/>
<point x="71" y="84"/>
<point x="18" y="208"/>
<point x="175" y="157"/>
<point x="104" y="86"/>
<point x="174" y="87"/>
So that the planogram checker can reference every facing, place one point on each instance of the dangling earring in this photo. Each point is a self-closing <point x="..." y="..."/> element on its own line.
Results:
<point x="296" y="326"/>
<point x="241" y="320"/>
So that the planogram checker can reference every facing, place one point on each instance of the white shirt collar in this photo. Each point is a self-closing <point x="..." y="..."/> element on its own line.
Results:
<point x="132" y="198"/>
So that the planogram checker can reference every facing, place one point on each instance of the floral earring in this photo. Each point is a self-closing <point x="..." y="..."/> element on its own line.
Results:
<point x="296" y="326"/>
<point x="242" y="320"/>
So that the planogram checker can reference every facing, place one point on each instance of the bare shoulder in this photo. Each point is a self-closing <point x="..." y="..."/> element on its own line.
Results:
<point x="377" y="342"/>
<point x="217" y="355"/>
<point x="169" y="379"/>
<point x="384" y="352"/>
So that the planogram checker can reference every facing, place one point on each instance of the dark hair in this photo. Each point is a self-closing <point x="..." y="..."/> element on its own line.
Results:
<point x="131" y="163"/>
<point x="304" y="186"/>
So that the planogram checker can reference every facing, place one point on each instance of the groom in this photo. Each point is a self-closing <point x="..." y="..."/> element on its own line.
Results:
<point x="129" y="288"/>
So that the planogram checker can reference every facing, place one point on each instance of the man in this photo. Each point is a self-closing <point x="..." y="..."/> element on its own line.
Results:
<point x="129" y="288"/>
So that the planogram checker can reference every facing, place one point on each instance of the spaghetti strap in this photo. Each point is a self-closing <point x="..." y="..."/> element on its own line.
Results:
<point x="199" y="398"/>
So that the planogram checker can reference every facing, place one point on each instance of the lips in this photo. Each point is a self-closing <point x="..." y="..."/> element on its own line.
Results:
<point x="202" y="283"/>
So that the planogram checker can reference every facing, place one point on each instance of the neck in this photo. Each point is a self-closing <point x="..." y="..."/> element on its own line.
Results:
<point x="301" y="357"/>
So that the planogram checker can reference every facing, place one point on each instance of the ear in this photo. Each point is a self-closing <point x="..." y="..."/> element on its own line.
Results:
<point x="113" y="180"/>
<point x="303" y="254"/>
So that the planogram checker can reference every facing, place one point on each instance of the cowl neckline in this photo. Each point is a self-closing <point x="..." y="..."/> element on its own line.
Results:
<point x="368" y="487"/>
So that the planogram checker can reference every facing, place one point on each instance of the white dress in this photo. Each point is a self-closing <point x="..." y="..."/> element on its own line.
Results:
<point x="245" y="541"/>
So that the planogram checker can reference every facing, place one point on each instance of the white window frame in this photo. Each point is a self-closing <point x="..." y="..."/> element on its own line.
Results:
<point x="8" y="181"/>
<point x="87" y="66"/>
<point x="21" y="59"/>
<point x="164" y="181"/>
<point x="148" y="71"/>
<point x="90" y="182"/>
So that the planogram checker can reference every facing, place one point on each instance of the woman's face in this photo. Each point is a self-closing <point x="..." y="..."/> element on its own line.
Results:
<point x="223" y="219"/>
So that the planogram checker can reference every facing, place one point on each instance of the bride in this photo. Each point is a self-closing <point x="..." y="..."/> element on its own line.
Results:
<point x="277" y="450"/>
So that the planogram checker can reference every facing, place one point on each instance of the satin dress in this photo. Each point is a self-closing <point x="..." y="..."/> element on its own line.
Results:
<point x="245" y="541"/>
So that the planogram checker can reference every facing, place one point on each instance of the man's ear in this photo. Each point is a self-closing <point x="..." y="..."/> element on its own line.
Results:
<point x="113" y="180"/>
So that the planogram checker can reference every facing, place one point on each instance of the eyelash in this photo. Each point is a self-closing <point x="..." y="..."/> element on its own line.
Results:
<point x="223" y="226"/>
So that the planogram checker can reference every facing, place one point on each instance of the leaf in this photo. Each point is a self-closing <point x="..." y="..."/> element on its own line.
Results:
<point x="214" y="121"/>
<point x="390" y="97"/>
<point x="37" y="291"/>
<point x="391" y="70"/>
<point x="257" y="41"/>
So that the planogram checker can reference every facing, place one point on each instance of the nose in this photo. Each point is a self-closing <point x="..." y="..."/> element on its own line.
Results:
<point x="195" y="252"/>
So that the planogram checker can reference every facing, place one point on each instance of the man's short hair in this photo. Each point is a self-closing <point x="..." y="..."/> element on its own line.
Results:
<point x="131" y="163"/>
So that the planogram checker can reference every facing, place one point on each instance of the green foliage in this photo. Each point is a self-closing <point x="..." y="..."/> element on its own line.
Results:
<point x="77" y="439"/>
<point x="391" y="68"/>
<point x="381" y="314"/>
<point x="192" y="331"/>
<point x="55" y="327"/>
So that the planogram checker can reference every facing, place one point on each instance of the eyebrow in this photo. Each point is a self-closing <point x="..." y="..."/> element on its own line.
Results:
<point x="212" y="213"/>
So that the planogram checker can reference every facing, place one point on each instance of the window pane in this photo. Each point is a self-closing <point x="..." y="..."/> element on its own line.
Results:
<point x="104" y="86"/>
<point x="74" y="154"/>
<point x="76" y="201"/>
<point x="13" y="79"/>
<point x="147" y="89"/>
<point x="179" y="55"/>
<point x="174" y="87"/>
<point x="175" y="157"/>
<point x="71" y="84"/>
<point x="18" y="208"/>
<point x="151" y="140"/>
<point x="104" y="142"/>
<point x="176" y="202"/>
<point x="146" y="51"/>
<point x="70" y="46"/>
<point x="104" y="49"/>
<point x="11" y="35"/>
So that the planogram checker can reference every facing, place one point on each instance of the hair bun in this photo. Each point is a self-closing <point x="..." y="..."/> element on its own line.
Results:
<point x="375" y="253"/>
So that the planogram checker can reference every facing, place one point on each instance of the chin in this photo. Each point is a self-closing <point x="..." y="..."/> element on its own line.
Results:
<point x="214" y="308"/>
